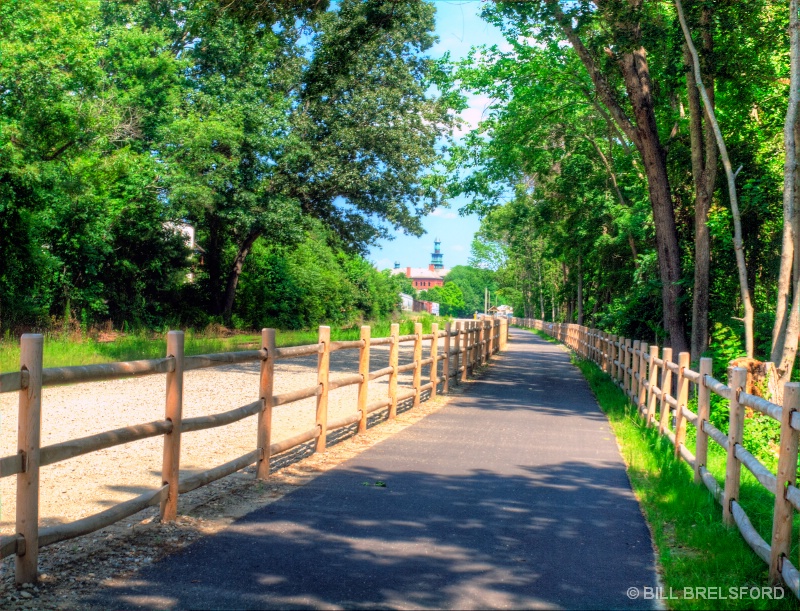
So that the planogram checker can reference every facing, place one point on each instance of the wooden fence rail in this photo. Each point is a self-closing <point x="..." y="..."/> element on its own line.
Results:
<point x="651" y="382"/>
<point x="461" y="342"/>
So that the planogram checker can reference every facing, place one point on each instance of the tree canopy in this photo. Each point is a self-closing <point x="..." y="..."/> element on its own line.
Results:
<point x="124" y="124"/>
<point x="597" y="172"/>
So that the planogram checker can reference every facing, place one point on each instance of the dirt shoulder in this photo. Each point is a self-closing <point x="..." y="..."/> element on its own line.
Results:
<point x="76" y="567"/>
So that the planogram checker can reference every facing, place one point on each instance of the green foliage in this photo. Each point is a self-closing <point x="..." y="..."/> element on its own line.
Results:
<point x="567" y="220"/>
<point x="472" y="282"/>
<point x="312" y="284"/>
<point x="694" y="547"/>
<point x="726" y="345"/>
<point x="120" y="122"/>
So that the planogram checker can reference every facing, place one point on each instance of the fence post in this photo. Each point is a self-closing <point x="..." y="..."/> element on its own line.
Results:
<point x="471" y="346"/>
<point x="596" y="348"/>
<point x="478" y="344"/>
<point x="587" y="343"/>
<point x="684" y="360"/>
<point x="490" y="351"/>
<point x="737" y="380"/>
<point x="465" y="335"/>
<point x="601" y="358"/>
<point x="634" y="394"/>
<point x="590" y="343"/>
<point x="479" y="333"/>
<point x="446" y="359"/>
<point x="435" y="357"/>
<point x="615" y="359"/>
<point x="417" y="361"/>
<point x="703" y="414"/>
<point x="586" y="351"/>
<point x="641" y="398"/>
<point x="484" y="329"/>
<point x="456" y="351"/>
<point x="363" y="369"/>
<point x="626" y="360"/>
<point x="481" y="342"/>
<point x="652" y="380"/>
<point x="501" y="345"/>
<point x="394" y="359"/>
<point x="266" y="383"/>
<point x="170" y="472"/>
<point x="787" y="474"/>
<point x="323" y="375"/>
<point x="666" y="389"/>
<point x="29" y="432"/>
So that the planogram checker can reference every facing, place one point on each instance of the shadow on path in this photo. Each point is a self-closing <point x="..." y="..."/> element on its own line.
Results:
<point x="512" y="496"/>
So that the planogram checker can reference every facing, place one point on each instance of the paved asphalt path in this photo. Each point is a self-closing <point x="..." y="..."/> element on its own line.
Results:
<point x="512" y="496"/>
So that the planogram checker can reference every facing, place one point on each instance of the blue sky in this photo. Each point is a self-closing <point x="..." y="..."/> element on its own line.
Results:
<point x="458" y="27"/>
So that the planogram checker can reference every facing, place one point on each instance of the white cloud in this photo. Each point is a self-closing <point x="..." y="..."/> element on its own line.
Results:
<point x="457" y="248"/>
<point x="444" y="213"/>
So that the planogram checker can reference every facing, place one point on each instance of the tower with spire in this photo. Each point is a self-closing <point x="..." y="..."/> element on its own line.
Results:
<point x="437" y="258"/>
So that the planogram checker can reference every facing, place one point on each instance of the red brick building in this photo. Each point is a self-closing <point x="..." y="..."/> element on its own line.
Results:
<point x="426" y="278"/>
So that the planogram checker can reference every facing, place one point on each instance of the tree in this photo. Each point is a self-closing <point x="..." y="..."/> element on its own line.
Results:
<point x="75" y="165"/>
<point x="731" y="179"/>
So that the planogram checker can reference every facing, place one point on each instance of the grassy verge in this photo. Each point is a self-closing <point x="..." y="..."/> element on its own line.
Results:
<point x="694" y="547"/>
<point x="62" y="352"/>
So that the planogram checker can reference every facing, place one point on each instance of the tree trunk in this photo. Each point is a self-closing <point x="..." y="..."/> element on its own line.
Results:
<point x="738" y="245"/>
<point x="236" y="271"/>
<point x="639" y="87"/>
<point x="780" y="330"/>
<point x="213" y="265"/>
<point x="787" y="318"/>
<point x="643" y="132"/>
<point x="704" y="174"/>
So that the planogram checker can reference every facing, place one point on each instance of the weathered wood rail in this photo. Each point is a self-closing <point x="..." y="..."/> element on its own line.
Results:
<point x="470" y="343"/>
<point x="660" y="390"/>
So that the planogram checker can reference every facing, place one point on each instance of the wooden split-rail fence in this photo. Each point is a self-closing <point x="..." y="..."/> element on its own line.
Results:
<point x="659" y="388"/>
<point x="467" y="344"/>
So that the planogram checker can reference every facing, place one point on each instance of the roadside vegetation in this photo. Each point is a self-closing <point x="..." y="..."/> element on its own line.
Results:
<point x="185" y="164"/>
<point x="97" y="347"/>
<point x="695" y="548"/>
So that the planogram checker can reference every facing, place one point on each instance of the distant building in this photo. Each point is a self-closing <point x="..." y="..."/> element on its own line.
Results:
<point x="188" y="233"/>
<point x="437" y="258"/>
<point x="502" y="310"/>
<point x="423" y="279"/>
<point x="406" y="302"/>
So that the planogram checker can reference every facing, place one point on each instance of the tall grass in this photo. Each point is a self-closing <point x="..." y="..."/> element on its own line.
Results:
<point x="60" y="351"/>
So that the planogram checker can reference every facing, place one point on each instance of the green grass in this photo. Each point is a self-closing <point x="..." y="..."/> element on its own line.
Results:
<point x="60" y="351"/>
<point x="695" y="548"/>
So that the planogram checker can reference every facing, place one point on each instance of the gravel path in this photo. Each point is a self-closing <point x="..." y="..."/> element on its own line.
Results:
<point x="88" y="484"/>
